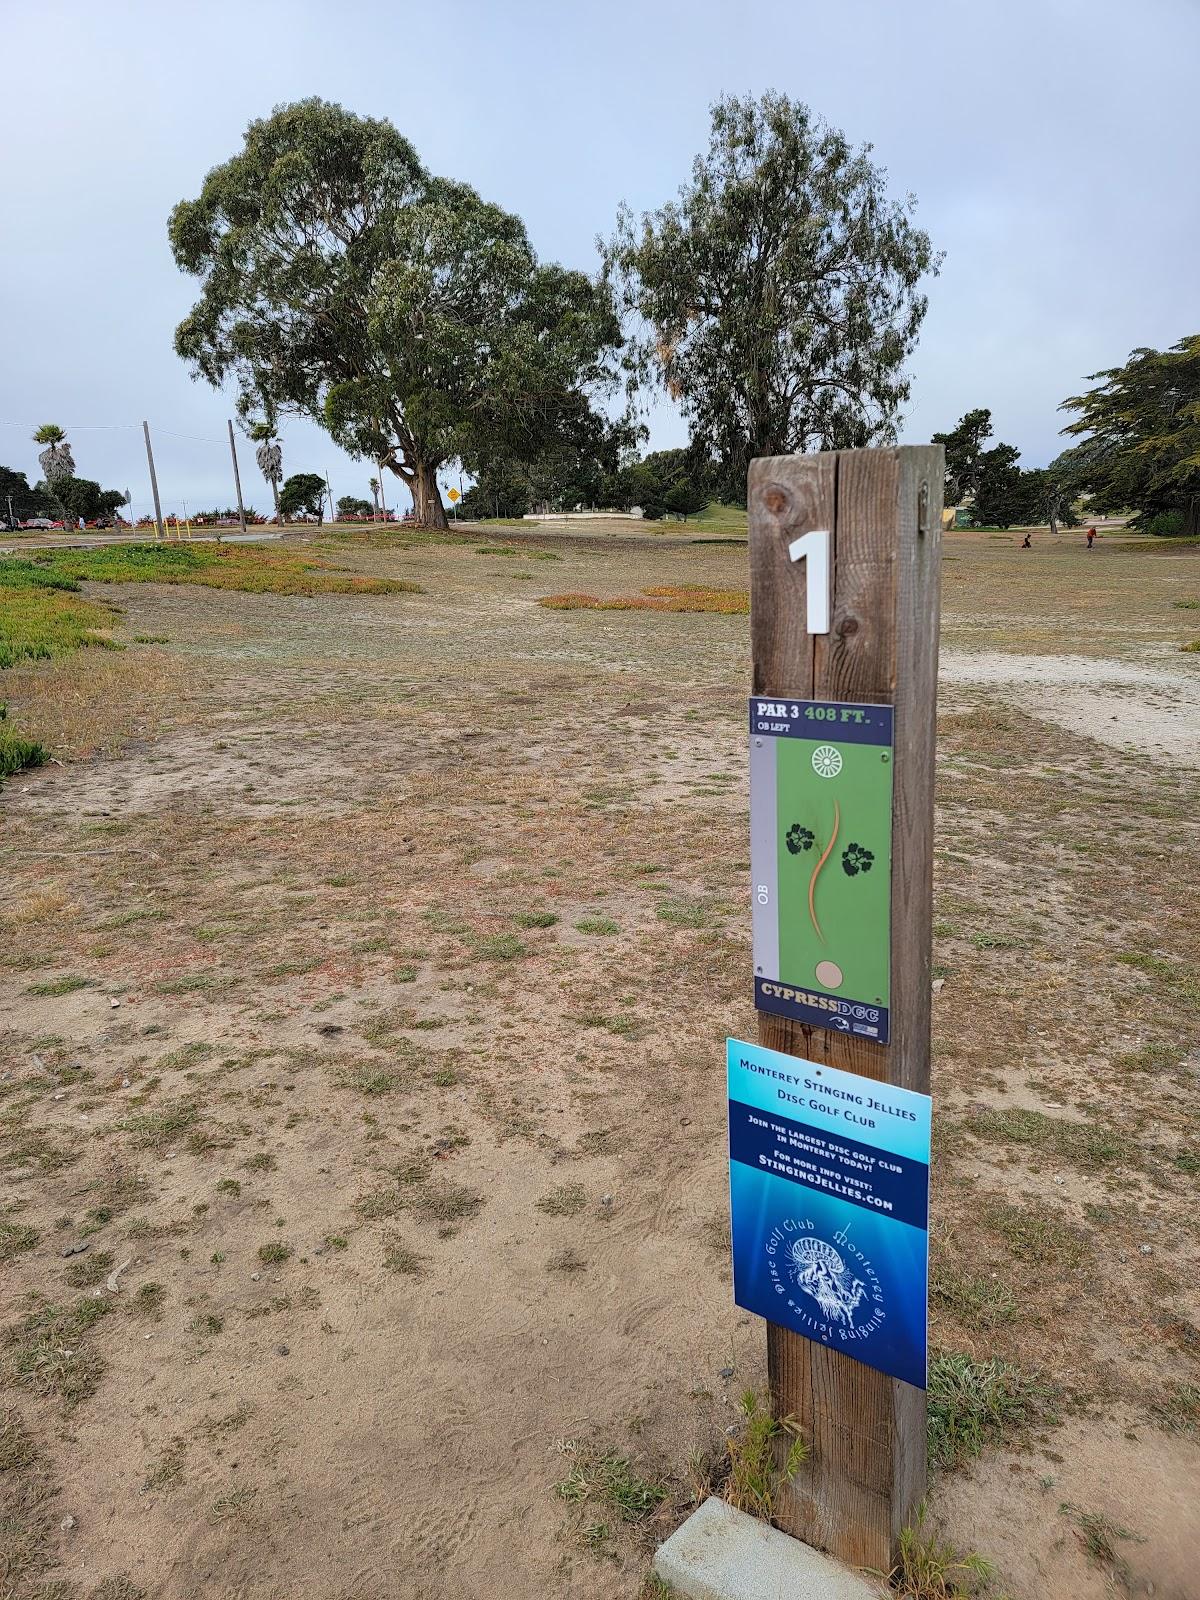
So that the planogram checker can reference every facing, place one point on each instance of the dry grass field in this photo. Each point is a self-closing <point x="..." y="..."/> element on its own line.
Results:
<point x="367" y="960"/>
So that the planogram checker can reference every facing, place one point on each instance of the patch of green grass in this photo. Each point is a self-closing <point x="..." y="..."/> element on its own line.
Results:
<point x="263" y="1161"/>
<point x="88" y="1270"/>
<point x="366" y="1077"/>
<point x="196" y="982"/>
<point x="148" y="1301"/>
<point x="981" y="1303"/>
<point x="1152" y="1057"/>
<point x="974" y="1404"/>
<point x="397" y="1257"/>
<point x="153" y="1129"/>
<point x="187" y="1055"/>
<point x="501" y="947"/>
<point x="15" y="1238"/>
<point x="251" y="568"/>
<point x="927" y="1568"/>
<point x="1177" y="1409"/>
<point x="683" y="913"/>
<point x="42" y="615"/>
<point x="1084" y="1144"/>
<point x="1183" y="979"/>
<point x="229" y="1186"/>
<point x="754" y="1472"/>
<point x="274" y="1251"/>
<point x="603" y="926"/>
<point x="1033" y="1233"/>
<point x="50" y="1353"/>
<point x="568" y="1200"/>
<point x="1099" y="1536"/>
<point x="535" y="919"/>
<point x="17" y="754"/>
<point x="996" y="941"/>
<point x="17" y="1449"/>
<point x="64" y="985"/>
<point x="611" y="1478"/>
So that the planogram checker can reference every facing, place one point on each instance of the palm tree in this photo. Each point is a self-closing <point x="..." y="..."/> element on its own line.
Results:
<point x="373" y="485"/>
<point x="57" y="463"/>
<point x="269" y="456"/>
<point x="56" y="459"/>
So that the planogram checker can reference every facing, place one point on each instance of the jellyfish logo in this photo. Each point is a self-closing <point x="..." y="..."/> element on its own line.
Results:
<point x="818" y="1269"/>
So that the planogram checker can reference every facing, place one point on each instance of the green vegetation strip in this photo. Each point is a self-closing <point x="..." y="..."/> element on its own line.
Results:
<point x="42" y="614"/>
<point x="214" y="566"/>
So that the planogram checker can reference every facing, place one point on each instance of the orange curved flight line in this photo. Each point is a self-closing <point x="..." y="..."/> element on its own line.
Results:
<point x="812" y="882"/>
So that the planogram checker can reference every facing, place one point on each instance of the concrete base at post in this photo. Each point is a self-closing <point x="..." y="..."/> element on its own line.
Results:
<point x="723" y="1554"/>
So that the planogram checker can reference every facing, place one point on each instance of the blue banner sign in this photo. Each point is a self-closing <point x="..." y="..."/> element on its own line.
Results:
<point x="829" y="1189"/>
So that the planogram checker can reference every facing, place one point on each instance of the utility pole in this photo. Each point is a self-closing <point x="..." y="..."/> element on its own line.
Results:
<point x="237" y="480"/>
<point x="382" y="500"/>
<point x="329" y="492"/>
<point x="158" y="521"/>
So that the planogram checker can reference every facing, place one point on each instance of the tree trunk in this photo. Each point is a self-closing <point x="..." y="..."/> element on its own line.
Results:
<point x="1191" y="521"/>
<point x="427" y="499"/>
<point x="275" y="492"/>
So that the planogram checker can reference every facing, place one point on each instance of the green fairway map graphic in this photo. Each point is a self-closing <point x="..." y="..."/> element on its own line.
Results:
<point x="821" y="829"/>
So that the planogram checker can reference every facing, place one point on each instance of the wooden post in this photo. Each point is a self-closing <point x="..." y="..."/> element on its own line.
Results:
<point x="159" y="531"/>
<point x="865" y="1474"/>
<point x="237" y="480"/>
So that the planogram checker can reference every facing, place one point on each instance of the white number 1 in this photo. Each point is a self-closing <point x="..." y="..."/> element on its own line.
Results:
<point x="814" y="548"/>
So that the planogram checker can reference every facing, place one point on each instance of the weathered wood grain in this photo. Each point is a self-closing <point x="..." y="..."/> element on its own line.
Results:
<point x="866" y="1469"/>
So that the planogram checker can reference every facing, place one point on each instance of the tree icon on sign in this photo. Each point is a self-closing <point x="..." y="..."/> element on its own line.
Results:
<point x="857" y="858"/>
<point x="799" y="839"/>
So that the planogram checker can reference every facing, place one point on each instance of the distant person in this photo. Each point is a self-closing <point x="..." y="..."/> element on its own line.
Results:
<point x="1091" y="538"/>
<point x="1027" y="543"/>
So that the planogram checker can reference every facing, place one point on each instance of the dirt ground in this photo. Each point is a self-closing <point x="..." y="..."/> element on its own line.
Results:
<point x="366" y="976"/>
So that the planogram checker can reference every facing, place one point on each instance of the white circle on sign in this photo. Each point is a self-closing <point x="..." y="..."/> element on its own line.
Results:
<point x="827" y="761"/>
<point x="829" y="974"/>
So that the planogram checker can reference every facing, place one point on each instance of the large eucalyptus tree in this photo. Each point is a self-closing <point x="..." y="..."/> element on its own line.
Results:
<point x="778" y="299"/>
<point x="339" y="280"/>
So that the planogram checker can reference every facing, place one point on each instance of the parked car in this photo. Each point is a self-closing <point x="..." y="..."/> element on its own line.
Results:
<point x="40" y="522"/>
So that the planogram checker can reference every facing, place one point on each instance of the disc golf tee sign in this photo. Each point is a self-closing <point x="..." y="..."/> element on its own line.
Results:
<point x="829" y="1191"/>
<point x="820" y="856"/>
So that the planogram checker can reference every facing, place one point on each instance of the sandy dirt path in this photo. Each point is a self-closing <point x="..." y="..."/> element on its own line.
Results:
<point x="425" y="917"/>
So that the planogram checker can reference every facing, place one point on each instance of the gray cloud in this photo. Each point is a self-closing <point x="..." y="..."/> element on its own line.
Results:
<point x="1051" y="144"/>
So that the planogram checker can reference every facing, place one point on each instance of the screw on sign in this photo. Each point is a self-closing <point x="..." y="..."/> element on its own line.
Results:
<point x="844" y="557"/>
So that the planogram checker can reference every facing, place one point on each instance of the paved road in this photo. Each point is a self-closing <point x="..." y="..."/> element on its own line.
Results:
<point x="96" y="541"/>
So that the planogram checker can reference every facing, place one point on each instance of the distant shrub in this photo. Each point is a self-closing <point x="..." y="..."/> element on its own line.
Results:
<point x="1165" y="524"/>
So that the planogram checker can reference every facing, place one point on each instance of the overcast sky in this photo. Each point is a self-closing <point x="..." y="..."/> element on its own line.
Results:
<point x="1052" y="144"/>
